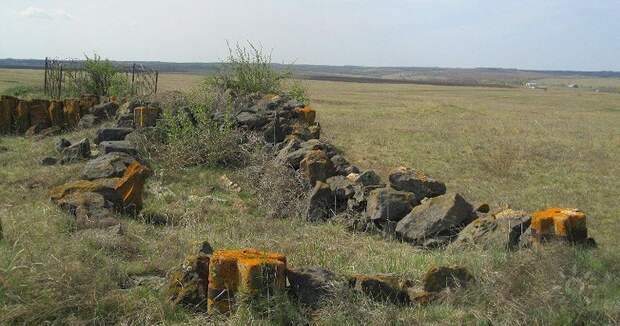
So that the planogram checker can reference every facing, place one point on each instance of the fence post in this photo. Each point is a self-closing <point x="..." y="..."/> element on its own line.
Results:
<point x="133" y="76"/>
<point x="60" y="83"/>
<point x="45" y="81"/>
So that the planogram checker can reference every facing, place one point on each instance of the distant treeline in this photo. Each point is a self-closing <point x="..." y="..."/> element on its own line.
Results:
<point x="448" y="75"/>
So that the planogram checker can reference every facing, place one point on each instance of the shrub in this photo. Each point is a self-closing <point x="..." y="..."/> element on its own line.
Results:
<point x="298" y="92"/>
<point x="23" y="91"/>
<point x="99" y="77"/>
<point x="249" y="70"/>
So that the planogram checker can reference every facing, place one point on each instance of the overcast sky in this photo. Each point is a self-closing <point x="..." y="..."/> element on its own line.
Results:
<point x="530" y="34"/>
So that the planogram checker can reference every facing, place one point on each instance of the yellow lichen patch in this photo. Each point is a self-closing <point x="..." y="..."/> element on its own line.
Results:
<point x="104" y="187"/>
<point x="8" y="105"/>
<point x="559" y="222"/>
<point x="56" y="113"/>
<point x="130" y="186"/>
<point x="88" y="101"/>
<point x="247" y="271"/>
<point x="71" y="110"/>
<point x="22" y="116"/>
<point x="316" y="166"/>
<point x="306" y="114"/>
<point x="145" y="116"/>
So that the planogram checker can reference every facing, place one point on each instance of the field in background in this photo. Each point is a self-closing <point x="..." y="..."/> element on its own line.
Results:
<point x="527" y="148"/>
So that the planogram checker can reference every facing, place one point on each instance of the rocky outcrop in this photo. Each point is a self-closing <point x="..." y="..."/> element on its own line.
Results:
<point x="382" y="287"/>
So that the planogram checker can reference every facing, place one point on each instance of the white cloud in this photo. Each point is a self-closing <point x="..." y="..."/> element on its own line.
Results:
<point x="39" y="13"/>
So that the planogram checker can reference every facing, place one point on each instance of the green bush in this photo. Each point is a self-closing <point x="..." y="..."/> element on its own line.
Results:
<point x="99" y="77"/>
<point x="298" y="91"/>
<point x="23" y="91"/>
<point x="248" y="70"/>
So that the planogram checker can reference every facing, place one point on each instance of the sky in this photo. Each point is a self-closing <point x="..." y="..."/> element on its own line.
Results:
<point x="525" y="34"/>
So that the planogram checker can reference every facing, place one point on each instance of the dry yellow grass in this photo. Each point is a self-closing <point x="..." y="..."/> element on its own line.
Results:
<point x="531" y="149"/>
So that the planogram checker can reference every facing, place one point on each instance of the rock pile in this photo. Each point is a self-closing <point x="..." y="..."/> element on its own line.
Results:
<point x="412" y="206"/>
<point x="218" y="281"/>
<point x="110" y="183"/>
<point x="30" y="117"/>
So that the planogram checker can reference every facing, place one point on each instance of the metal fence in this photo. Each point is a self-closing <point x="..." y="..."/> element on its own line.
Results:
<point x="61" y="74"/>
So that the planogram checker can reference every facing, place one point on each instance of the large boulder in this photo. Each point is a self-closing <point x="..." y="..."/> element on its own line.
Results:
<point x="111" y="134"/>
<point x="39" y="116"/>
<point x="320" y="203"/>
<point x="382" y="287"/>
<point x="342" y="188"/>
<point x="386" y="204"/>
<point x="121" y="146"/>
<point x="111" y="165"/>
<point x="436" y="221"/>
<point x="75" y="152"/>
<point x="312" y="286"/>
<point x="316" y="166"/>
<point x="415" y="181"/>
<point x="501" y="230"/>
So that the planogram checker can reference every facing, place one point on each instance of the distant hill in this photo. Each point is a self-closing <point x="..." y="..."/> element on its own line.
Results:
<point x="422" y="75"/>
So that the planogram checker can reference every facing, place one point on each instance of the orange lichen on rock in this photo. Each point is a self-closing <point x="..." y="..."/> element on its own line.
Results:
<point x="21" y="117"/>
<point x="306" y="114"/>
<point x="8" y="105"/>
<point x="38" y="113"/>
<point x="104" y="187"/>
<point x="87" y="101"/>
<point x="56" y="113"/>
<point x="248" y="272"/>
<point x="72" y="112"/>
<point x="130" y="186"/>
<point x="145" y="116"/>
<point x="563" y="223"/>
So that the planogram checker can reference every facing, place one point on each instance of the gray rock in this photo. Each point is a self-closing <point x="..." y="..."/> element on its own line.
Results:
<point x="502" y="230"/>
<point x="110" y="165"/>
<point x="91" y="210"/>
<point x="312" y="286"/>
<point x="46" y="161"/>
<point x="386" y="204"/>
<point x="368" y="178"/>
<point x="104" y="111"/>
<point x="62" y="144"/>
<point x="320" y="203"/>
<point x="415" y="181"/>
<point x="341" y="164"/>
<point x="88" y="121"/>
<point x="121" y="146"/>
<point x="251" y="120"/>
<point x="111" y="134"/>
<point x="76" y="152"/>
<point x="439" y="218"/>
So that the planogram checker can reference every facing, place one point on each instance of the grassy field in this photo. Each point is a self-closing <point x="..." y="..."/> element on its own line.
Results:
<point x="529" y="149"/>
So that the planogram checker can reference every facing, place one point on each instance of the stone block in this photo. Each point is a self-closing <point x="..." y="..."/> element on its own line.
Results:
<point x="246" y="273"/>
<point x="559" y="223"/>
<point x="8" y="106"/>
<point x="145" y="116"/>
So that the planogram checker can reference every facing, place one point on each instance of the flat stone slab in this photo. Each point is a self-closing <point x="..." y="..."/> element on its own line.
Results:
<point x="111" y="134"/>
<point x="121" y="146"/>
